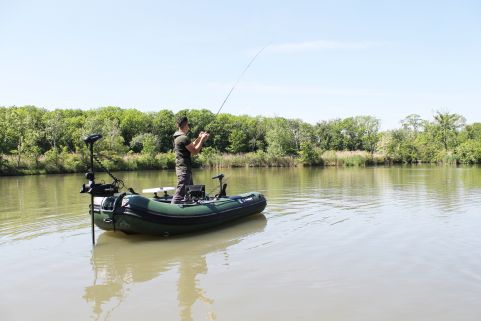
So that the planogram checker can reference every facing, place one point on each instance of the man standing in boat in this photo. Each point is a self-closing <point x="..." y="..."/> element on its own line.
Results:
<point x="183" y="149"/>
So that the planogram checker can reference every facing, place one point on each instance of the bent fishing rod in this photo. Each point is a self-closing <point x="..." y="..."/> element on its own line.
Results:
<point x="233" y="87"/>
<point x="238" y="79"/>
<point x="222" y="105"/>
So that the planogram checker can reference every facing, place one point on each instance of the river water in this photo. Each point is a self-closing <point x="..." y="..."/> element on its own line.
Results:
<point x="379" y="243"/>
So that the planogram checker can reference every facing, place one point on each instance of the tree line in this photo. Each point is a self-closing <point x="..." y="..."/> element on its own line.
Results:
<point x="32" y="137"/>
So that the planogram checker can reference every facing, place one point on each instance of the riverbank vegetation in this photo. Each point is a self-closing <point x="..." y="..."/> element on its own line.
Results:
<point x="37" y="140"/>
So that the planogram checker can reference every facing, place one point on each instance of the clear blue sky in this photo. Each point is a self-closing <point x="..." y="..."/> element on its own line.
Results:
<point x="325" y="59"/>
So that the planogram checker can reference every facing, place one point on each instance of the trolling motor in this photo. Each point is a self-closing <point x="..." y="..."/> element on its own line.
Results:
<point x="94" y="189"/>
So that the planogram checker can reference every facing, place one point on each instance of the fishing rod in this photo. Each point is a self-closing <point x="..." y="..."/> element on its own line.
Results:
<point x="238" y="79"/>
<point x="233" y="87"/>
<point x="222" y="186"/>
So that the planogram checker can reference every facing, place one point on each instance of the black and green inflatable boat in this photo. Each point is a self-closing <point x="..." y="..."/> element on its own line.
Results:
<point x="136" y="214"/>
<point x="156" y="216"/>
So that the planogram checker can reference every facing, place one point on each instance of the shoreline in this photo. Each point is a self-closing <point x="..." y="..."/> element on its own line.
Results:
<point x="166" y="161"/>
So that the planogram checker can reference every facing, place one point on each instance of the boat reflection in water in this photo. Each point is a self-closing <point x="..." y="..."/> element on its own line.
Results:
<point x="119" y="261"/>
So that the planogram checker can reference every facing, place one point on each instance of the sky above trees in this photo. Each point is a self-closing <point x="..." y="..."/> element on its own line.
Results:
<point x="324" y="59"/>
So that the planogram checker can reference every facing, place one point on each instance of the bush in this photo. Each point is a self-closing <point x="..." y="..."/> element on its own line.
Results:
<point x="448" y="158"/>
<point x="3" y="163"/>
<point x="355" y="160"/>
<point x="469" y="152"/>
<point x="351" y="158"/>
<point x="165" y="160"/>
<point x="130" y="161"/>
<point x="308" y="155"/>
<point x="147" y="161"/>
<point x="51" y="161"/>
<point x="209" y="157"/>
<point x="258" y="159"/>
<point x="111" y="162"/>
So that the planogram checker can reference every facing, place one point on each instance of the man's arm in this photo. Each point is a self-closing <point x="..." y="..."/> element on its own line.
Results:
<point x="195" y="147"/>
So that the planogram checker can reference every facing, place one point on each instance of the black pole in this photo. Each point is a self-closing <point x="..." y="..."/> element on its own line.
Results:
<point x="92" y="188"/>
<point x="91" y="145"/>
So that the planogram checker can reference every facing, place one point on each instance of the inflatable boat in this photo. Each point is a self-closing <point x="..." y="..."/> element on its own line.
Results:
<point x="136" y="214"/>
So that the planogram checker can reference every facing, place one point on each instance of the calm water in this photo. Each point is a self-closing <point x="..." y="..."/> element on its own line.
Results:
<point x="333" y="244"/>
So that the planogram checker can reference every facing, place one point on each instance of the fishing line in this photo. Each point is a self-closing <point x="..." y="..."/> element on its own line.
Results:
<point x="230" y="92"/>
<point x="238" y="79"/>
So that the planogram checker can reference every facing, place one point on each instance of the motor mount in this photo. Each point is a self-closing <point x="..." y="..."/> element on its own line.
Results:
<point x="103" y="190"/>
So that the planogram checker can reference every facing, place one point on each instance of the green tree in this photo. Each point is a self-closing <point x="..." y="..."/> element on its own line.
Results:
<point x="25" y="131"/>
<point x="397" y="146"/>
<point x="163" y="126"/>
<point x="256" y="133"/>
<point x="412" y="123"/>
<point x="279" y="138"/>
<point x="351" y="134"/>
<point x="300" y="132"/>
<point x="146" y="143"/>
<point x="237" y="140"/>
<point x="220" y="130"/>
<point x="112" y="136"/>
<point x="469" y="152"/>
<point x="447" y="127"/>
<point x="3" y="137"/>
<point x="199" y="120"/>
<point x="54" y="127"/>
<point x="472" y="131"/>
<point x="369" y="132"/>
<point x="324" y="135"/>
<point x="429" y="146"/>
<point x="109" y="128"/>
<point x="308" y="154"/>
<point x="109" y="112"/>
<point x="133" y="123"/>
<point x="74" y="121"/>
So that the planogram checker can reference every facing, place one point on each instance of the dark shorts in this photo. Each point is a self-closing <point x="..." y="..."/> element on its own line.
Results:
<point x="184" y="177"/>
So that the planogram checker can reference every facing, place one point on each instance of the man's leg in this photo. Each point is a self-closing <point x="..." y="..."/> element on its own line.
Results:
<point x="183" y="178"/>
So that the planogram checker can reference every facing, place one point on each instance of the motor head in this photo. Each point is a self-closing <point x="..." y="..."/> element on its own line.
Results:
<point x="90" y="139"/>
<point x="90" y="176"/>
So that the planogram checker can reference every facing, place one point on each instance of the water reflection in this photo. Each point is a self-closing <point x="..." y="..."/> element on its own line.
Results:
<point x="120" y="261"/>
<point x="188" y="291"/>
